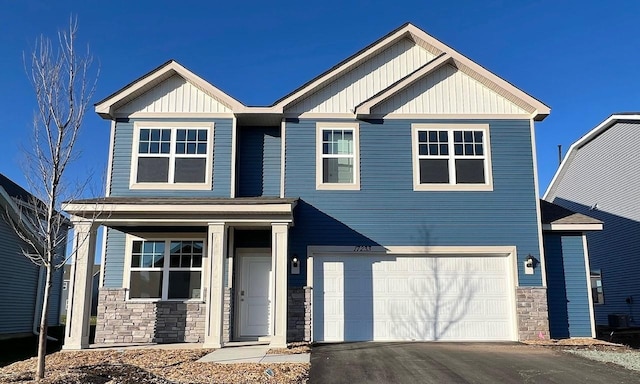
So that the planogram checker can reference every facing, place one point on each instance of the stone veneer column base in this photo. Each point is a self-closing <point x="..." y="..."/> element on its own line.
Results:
<point x="533" y="313"/>
<point x="121" y="321"/>
<point x="299" y="316"/>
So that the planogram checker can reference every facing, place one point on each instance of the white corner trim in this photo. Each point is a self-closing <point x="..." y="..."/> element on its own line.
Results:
<point x="320" y="185"/>
<point x="452" y="186"/>
<point x="283" y="156"/>
<point x="109" y="176"/>
<point x="587" y="268"/>
<point x="234" y="159"/>
<point x="543" y="268"/>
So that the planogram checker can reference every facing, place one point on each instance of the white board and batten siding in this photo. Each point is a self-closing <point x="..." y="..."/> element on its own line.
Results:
<point x="365" y="80"/>
<point x="447" y="91"/>
<point x="174" y="95"/>
<point x="413" y="297"/>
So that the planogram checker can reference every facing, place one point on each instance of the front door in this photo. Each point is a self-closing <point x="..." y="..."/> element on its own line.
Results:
<point x="254" y="294"/>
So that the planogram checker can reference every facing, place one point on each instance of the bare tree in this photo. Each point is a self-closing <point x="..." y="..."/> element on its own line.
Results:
<point x="63" y="83"/>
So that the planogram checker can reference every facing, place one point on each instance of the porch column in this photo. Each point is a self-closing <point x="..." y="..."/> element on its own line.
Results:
<point x="80" y="285"/>
<point x="217" y="251"/>
<point x="279" y="249"/>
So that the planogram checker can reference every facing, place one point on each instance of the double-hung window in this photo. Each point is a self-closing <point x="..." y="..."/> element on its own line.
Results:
<point x="172" y="156"/>
<point x="165" y="269"/>
<point x="451" y="157"/>
<point x="337" y="156"/>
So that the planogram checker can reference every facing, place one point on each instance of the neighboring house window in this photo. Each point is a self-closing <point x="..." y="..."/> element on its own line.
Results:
<point x="166" y="269"/>
<point x="451" y="157"/>
<point x="337" y="156"/>
<point x="173" y="156"/>
<point x="596" y="286"/>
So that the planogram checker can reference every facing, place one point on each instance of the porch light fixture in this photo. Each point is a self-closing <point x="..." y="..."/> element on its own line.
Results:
<point x="529" y="265"/>
<point x="295" y="265"/>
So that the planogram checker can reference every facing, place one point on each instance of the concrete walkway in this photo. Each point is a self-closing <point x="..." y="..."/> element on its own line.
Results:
<point x="251" y="354"/>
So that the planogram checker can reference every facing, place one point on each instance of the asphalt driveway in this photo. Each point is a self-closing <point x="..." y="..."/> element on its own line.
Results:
<point x="457" y="363"/>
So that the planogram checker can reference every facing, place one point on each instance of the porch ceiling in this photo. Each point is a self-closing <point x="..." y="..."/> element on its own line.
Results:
<point x="172" y="211"/>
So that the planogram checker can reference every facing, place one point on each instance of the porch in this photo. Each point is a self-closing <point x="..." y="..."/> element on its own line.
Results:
<point x="183" y="256"/>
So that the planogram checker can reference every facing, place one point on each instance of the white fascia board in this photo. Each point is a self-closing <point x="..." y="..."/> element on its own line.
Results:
<point x="573" y="227"/>
<point x="105" y="108"/>
<point x="540" y="109"/>
<point x="568" y="157"/>
<point x="187" y="208"/>
<point x="365" y="108"/>
<point x="335" y="72"/>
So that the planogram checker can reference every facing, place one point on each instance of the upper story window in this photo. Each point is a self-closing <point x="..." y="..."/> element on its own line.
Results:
<point x="172" y="156"/>
<point x="337" y="156"/>
<point x="451" y="157"/>
<point x="165" y="269"/>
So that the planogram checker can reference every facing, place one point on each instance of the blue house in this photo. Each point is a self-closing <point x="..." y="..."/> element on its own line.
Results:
<point x="599" y="177"/>
<point x="21" y="281"/>
<point x="393" y="197"/>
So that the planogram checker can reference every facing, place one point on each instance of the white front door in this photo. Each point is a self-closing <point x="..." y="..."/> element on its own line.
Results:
<point x="254" y="295"/>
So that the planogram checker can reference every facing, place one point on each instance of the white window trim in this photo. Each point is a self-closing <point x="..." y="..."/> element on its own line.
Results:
<point x="452" y="186"/>
<point x="206" y="185"/>
<point x="320" y="185"/>
<point x="167" y="238"/>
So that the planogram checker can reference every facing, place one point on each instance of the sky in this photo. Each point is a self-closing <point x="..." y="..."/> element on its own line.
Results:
<point x="579" y="57"/>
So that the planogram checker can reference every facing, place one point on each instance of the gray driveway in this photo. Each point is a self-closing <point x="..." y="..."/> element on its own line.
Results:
<point x="457" y="363"/>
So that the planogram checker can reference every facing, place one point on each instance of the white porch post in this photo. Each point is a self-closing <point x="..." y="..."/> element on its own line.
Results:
<point x="217" y="251"/>
<point x="279" y="246"/>
<point x="80" y="285"/>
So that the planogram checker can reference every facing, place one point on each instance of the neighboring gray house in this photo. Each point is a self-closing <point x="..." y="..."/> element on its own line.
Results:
<point x="600" y="177"/>
<point x="95" y="280"/>
<point x="21" y="282"/>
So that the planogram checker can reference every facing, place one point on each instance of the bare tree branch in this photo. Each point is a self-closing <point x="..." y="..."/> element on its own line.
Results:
<point x="63" y="84"/>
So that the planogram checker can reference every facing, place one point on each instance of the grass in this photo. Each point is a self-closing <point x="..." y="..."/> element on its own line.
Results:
<point x="92" y="320"/>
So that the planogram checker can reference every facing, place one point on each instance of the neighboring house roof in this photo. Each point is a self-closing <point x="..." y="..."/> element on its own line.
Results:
<point x="443" y="55"/>
<point x="584" y="140"/>
<point x="12" y="189"/>
<point x="557" y="218"/>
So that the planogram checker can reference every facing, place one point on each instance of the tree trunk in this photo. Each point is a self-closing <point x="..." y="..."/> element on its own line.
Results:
<point x="42" y="339"/>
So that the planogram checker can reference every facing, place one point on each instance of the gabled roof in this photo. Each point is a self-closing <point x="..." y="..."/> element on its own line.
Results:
<point x="584" y="140"/>
<point x="12" y="189"/>
<point x="445" y="54"/>
<point x="555" y="217"/>
<point x="106" y="107"/>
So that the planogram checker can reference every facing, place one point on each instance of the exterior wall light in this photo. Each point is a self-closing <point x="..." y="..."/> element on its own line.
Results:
<point x="295" y="265"/>
<point x="529" y="265"/>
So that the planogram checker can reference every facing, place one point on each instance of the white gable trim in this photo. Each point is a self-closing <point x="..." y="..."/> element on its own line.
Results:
<point x="584" y="140"/>
<point x="107" y="107"/>
<point x="537" y="109"/>
<point x="366" y="107"/>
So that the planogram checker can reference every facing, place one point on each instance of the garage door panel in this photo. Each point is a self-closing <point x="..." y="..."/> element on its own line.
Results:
<point x="412" y="298"/>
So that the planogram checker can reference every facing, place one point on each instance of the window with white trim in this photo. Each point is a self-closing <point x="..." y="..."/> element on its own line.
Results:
<point x="449" y="157"/>
<point x="166" y="269"/>
<point x="597" y="293"/>
<point x="172" y="156"/>
<point x="337" y="160"/>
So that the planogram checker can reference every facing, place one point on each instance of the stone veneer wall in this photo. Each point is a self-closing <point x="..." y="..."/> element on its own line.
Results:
<point x="533" y="313"/>
<point x="299" y="314"/>
<point x="227" y="325"/>
<point x="121" y="321"/>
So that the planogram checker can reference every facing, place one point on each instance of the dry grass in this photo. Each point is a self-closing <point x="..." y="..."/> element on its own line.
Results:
<point x="143" y="366"/>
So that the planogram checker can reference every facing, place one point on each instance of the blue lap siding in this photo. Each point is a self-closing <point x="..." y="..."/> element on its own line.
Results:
<point x="122" y="152"/>
<point x="259" y="161"/>
<point x="568" y="297"/>
<point x="387" y="211"/>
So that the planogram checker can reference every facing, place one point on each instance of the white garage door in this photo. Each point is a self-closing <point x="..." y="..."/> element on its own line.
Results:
<point x="385" y="298"/>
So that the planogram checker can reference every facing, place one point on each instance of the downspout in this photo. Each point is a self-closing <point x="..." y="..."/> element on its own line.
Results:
<point x="38" y="308"/>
